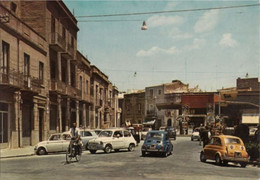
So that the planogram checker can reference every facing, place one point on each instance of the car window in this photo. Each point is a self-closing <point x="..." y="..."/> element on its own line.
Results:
<point x="66" y="137"/>
<point x="118" y="132"/>
<point x="86" y="133"/>
<point x="155" y="135"/>
<point x="232" y="141"/>
<point x="211" y="141"/>
<point x="217" y="141"/>
<point x="105" y="134"/>
<point x="55" y="137"/>
<point x="127" y="134"/>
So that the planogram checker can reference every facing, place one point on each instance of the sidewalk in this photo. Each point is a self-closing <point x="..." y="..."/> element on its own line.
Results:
<point x="19" y="152"/>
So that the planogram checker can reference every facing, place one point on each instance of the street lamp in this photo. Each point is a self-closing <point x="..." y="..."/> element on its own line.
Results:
<point x="144" y="27"/>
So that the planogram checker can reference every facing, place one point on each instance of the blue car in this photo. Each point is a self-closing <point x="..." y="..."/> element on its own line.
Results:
<point x="157" y="142"/>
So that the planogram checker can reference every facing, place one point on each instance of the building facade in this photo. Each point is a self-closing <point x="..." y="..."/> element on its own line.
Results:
<point x="45" y="82"/>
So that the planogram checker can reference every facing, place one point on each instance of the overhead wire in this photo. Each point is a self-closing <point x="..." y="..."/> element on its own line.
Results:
<point x="169" y="11"/>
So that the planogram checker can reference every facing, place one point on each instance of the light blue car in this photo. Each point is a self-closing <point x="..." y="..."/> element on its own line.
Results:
<point x="157" y="142"/>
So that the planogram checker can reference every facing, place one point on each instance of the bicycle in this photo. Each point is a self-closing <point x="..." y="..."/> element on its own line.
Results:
<point x="74" y="153"/>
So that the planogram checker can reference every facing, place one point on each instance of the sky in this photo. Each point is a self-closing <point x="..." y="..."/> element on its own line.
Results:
<point x="210" y="48"/>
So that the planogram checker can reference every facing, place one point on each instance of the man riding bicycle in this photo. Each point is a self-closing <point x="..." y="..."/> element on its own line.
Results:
<point x="75" y="137"/>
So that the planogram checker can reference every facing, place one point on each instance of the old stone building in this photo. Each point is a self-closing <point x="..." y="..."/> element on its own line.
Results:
<point x="45" y="83"/>
<point x="24" y="80"/>
<point x="134" y="108"/>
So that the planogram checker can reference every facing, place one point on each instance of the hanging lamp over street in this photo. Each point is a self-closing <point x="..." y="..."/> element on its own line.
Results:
<point x="144" y="27"/>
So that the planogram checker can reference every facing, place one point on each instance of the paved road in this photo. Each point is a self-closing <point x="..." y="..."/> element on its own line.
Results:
<point x="183" y="164"/>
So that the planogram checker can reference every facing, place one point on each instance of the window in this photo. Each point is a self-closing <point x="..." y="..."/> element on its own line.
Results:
<point x="151" y="92"/>
<point x="217" y="142"/>
<point x="127" y="134"/>
<point x="13" y="7"/>
<point x="160" y="91"/>
<point x="85" y="133"/>
<point x="41" y="72"/>
<point x="26" y="65"/>
<point x="5" y="62"/>
<point x="87" y="86"/>
<point x="55" y="138"/>
<point x="118" y="133"/>
<point x="72" y="42"/>
<point x="80" y="83"/>
<point x="63" y="33"/>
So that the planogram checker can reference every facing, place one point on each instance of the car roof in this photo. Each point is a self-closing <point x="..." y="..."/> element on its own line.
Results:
<point x="114" y="129"/>
<point x="227" y="136"/>
<point x="157" y="131"/>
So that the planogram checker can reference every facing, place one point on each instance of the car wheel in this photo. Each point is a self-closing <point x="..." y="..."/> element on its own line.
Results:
<point x="131" y="147"/>
<point x="41" y="151"/>
<point x="191" y="139"/>
<point x="164" y="154"/>
<point x="143" y="153"/>
<point x="243" y="165"/>
<point x="202" y="157"/>
<point x="108" y="149"/>
<point x="93" y="151"/>
<point x="86" y="146"/>
<point x="218" y="160"/>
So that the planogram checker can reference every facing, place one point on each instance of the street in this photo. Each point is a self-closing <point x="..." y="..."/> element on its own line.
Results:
<point x="182" y="164"/>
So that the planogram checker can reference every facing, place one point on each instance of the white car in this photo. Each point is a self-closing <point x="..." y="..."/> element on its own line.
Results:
<point x="86" y="135"/>
<point x="195" y="134"/>
<point x="57" y="142"/>
<point x="112" y="139"/>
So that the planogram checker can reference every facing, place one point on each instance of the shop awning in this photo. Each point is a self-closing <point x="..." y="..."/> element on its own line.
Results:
<point x="150" y="123"/>
<point x="250" y="119"/>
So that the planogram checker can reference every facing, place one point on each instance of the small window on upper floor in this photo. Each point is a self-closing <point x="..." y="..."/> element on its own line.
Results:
<point x="13" y="7"/>
<point x="160" y="91"/>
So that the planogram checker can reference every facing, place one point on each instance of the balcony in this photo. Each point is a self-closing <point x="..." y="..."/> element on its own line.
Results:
<point x="17" y="81"/>
<point x="58" y="43"/>
<point x="62" y="88"/>
<point x="69" y="53"/>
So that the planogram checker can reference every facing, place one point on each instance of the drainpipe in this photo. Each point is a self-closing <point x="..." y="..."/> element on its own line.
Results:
<point x="19" y="95"/>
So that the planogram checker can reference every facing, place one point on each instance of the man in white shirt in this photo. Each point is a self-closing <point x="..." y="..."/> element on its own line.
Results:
<point x="75" y="135"/>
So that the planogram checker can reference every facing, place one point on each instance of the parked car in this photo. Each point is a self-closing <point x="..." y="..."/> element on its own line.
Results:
<point x="157" y="142"/>
<point x="224" y="149"/>
<point x="171" y="131"/>
<point x="112" y="139"/>
<point x="86" y="135"/>
<point x="195" y="134"/>
<point x="57" y="142"/>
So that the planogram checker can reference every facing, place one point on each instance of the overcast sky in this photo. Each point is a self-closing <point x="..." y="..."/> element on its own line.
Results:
<point x="207" y="48"/>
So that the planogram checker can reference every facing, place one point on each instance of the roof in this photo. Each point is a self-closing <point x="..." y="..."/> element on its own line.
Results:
<point x="157" y="131"/>
<point x="226" y="136"/>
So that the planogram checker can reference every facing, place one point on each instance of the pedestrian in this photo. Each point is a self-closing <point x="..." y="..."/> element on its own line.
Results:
<point x="200" y="130"/>
<point x="205" y="135"/>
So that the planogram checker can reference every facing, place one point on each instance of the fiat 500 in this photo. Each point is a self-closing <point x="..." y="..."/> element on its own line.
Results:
<point x="157" y="142"/>
<point x="112" y="139"/>
<point x="224" y="149"/>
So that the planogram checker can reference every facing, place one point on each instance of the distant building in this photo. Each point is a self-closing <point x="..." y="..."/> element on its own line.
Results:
<point x="134" y="108"/>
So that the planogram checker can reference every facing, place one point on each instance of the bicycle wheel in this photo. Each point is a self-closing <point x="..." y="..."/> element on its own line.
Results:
<point x="68" y="156"/>
<point x="78" y="154"/>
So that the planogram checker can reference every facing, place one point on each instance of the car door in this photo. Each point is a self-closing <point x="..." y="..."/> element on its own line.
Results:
<point x="128" y="138"/>
<point x="86" y="136"/>
<point x="118" y="140"/>
<point x="208" y="149"/>
<point x="65" y="141"/>
<point x="54" y="144"/>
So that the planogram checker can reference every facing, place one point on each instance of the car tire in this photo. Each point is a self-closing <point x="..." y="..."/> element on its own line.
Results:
<point x="93" y="151"/>
<point x="108" y="149"/>
<point x="218" y="160"/>
<point x="143" y="153"/>
<point x="191" y="139"/>
<point x="202" y="157"/>
<point x="164" y="154"/>
<point x="41" y="151"/>
<point x="243" y="165"/>
<point x="86" y="146"/>
<point x="131" y="147"/>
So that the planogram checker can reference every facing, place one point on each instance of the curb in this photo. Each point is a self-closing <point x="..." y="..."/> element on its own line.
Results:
<point x="14" y="156"/>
